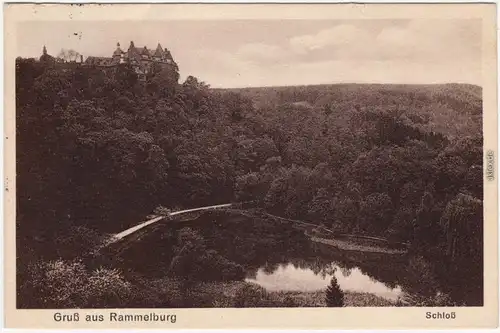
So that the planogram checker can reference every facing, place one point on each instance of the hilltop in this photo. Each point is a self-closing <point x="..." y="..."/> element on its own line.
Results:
<point x="453" y="109"/>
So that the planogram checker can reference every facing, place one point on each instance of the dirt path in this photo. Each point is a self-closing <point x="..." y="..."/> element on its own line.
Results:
<point x="130" y="231"/>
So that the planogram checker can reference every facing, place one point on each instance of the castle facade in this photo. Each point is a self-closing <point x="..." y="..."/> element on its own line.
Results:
<point x="142" y="59"/>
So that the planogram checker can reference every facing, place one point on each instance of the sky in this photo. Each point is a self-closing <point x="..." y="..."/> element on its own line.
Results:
<point x="245" y="53"/>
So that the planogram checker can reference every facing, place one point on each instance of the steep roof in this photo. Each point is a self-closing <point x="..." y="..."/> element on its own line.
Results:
<point x="145" y="51"/>
<point x="99" y="61"/>
<point x="159" y="51"/>
<point x="137" y="52"/>
<point x="140" y="50"/>
<point x="168" y="54"/>
<point x="46" y="58"/>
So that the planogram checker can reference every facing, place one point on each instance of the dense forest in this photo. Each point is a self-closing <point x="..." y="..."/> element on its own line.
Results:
<point x="96" y="153"/>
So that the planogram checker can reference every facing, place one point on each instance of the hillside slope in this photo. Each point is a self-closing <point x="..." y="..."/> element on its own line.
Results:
<point x="454" y="110"/>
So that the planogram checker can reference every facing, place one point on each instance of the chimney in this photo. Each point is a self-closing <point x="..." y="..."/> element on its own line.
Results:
<point x="81" y="58"/>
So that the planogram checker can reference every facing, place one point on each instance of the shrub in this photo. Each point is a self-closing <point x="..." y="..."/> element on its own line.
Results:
<point x="158" y="293"/>
<point x="438" y="300"/>
<point x="222" y="303"/>
<point x="421" y="273"/>
<point x="78" y="240"/>
<point x="252" y="296"/>
<point x="160" y="210"/>
<point x="53" y="284"/>
<point x="219" y="268"/>
<point x="192" y="257"/>
<point x="289" y="302"/>
<point x="107" y="288"/>
<point x="60" y="284"/>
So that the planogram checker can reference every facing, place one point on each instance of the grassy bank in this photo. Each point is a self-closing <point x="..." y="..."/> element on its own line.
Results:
<point x="353" y="246"/>
<point x="317" y="298"/>
<point x="73" y="286"/>
<point x="246" y="294"/>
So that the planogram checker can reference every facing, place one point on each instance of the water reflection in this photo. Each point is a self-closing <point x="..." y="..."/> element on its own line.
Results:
<point x="279" y="257"/>
<point x="290" y="277"/>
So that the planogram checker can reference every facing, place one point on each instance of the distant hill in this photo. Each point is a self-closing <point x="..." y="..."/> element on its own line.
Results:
<point x="452" y="109"/>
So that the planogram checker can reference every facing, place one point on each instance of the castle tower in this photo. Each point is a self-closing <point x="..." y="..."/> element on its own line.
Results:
<point x="118" y="50"/>
<point x="46" y="58"/>
<point x="131" y="54"/>
<point x="118" y="54"/>
<point x="158" y="55"/>
<point x="145" y="53"/>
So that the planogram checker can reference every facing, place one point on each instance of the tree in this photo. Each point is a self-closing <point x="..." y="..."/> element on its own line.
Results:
<point x="426" y="231"/>
<point x="334" y="296"/>
<point x="376" y="211"/>
<point x="163" y="81"/>
<point x="193" y="82"/>
<point x="251" y="187"/>
<point x="252" y="154"/>
<point x="462" y="222"/>
<point x="90" y="144"/>
<point x="194" y="262"/>
<point x="68" y="55"/>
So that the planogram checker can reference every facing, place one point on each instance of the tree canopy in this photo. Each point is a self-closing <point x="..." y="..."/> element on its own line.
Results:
<point x="104" y="150"/>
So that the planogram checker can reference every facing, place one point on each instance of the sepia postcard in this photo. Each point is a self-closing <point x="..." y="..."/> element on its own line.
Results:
<point x="278" y="166"/>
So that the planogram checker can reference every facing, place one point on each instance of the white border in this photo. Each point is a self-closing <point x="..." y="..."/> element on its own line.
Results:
<point x="2" y="320"/>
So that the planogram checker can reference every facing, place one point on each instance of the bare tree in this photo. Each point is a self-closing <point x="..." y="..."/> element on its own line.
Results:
<point x="68" y="55"/>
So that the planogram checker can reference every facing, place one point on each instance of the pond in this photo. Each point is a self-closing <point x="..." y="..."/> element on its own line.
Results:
<point x="278" y="257"/>
<point x="288" y="277"/>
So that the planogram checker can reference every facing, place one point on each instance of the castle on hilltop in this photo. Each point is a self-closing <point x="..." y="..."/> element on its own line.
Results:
<point x="143" y="60"/>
